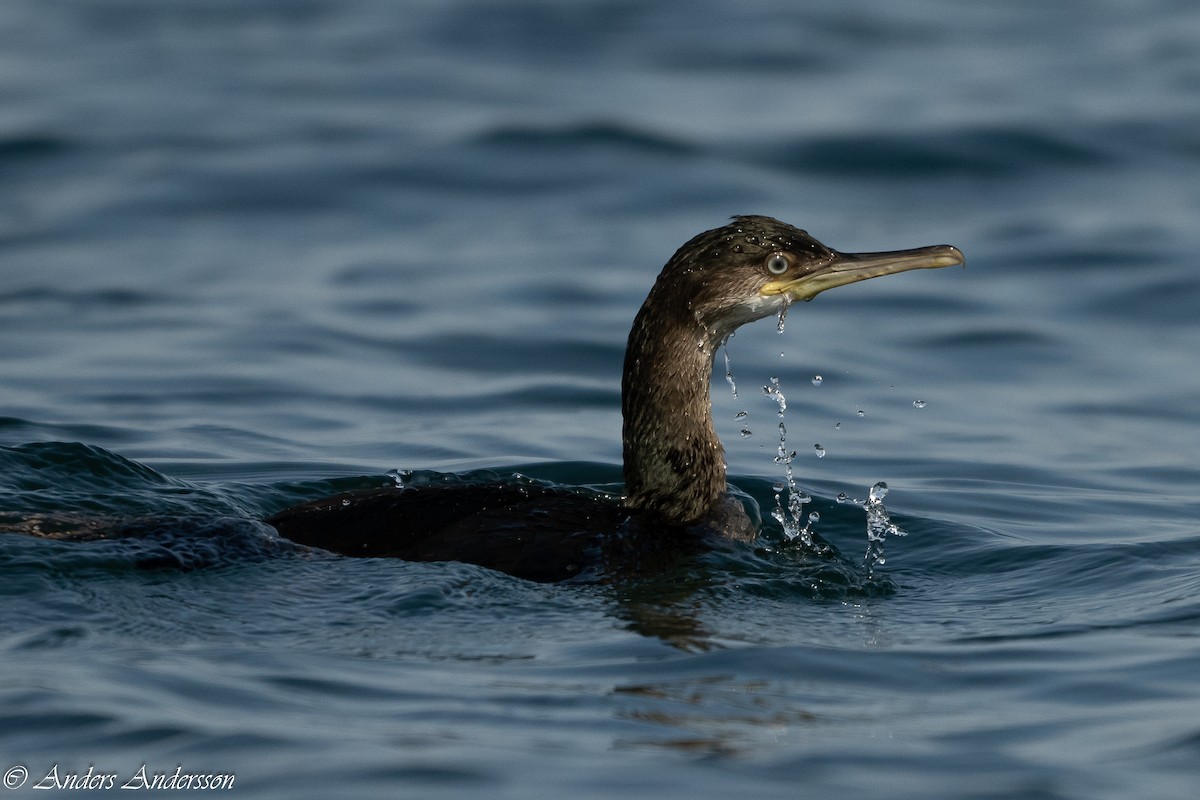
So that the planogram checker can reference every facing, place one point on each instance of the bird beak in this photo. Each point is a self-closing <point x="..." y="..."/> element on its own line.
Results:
<point x="853" y="267"/>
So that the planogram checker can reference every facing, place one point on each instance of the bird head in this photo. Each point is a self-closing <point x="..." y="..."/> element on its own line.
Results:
<point x="751" y="267"/>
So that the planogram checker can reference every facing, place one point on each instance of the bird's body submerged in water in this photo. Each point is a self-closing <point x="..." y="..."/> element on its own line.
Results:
<point x="675" y="491"/>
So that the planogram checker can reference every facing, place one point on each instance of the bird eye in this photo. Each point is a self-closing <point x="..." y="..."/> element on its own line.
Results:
<point x="777" y="263"/>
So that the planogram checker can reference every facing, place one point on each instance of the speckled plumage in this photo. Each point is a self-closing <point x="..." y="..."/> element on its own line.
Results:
<point x="674" y="462"/>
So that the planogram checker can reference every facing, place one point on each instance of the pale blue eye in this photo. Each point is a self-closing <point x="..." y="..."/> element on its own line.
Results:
<point x="777" y="264"/>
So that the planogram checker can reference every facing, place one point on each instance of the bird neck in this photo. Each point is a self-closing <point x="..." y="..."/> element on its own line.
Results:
<point x="674" y="462"/>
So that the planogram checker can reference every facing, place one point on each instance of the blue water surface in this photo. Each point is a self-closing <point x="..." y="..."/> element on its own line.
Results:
<point x="254" y="252"/>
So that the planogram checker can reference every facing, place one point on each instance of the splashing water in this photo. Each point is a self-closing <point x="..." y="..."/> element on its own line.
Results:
<point x="789" y="515"/>
<point x="879" y="525"/>
<point x="728" y="368"/>
<point x="783" y="309"/>
<point x="773" y="391"/>
<point x="740" y="416"/>
<point x="789" y="519"/>
<point x="745" y="432"/>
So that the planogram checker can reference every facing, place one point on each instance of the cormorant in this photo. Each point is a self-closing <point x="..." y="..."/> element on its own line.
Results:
<point x="675" y="492"/>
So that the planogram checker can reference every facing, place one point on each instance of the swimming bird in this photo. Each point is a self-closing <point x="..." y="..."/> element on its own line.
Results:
<point x="676" y="497"/>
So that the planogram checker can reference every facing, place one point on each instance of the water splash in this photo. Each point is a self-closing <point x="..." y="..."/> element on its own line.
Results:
<point x="789" y="514"/>
<point x="774" y="392"/>
<point x="740" y="416"/>
<point x="783" y="309"/>
<point x="728" y="368"/>
<point x="879" y="526"/>
<point x="790" y="518"/>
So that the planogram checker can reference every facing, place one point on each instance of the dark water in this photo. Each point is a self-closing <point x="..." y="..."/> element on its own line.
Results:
<point x="253" y="252"/>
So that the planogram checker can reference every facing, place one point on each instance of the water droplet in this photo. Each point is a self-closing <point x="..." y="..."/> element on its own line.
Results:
<point x="879" y="527"/>
<point x="842" y="497"/>
<point x="862" y="413"/>
<point x="837" y="426"/>
<point x="778" y="486"/>
<point x="774" y="392"/>
<point x="817" y="380"/>
<point x="746" y="433"/>
<point x="919" y="404"/>
<point x="741" y="415"/>
<point x="728" y="368"/>
<point x="819" y="450"/>
<point x="783" y="309"/>
<point x="345" y="502"/>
